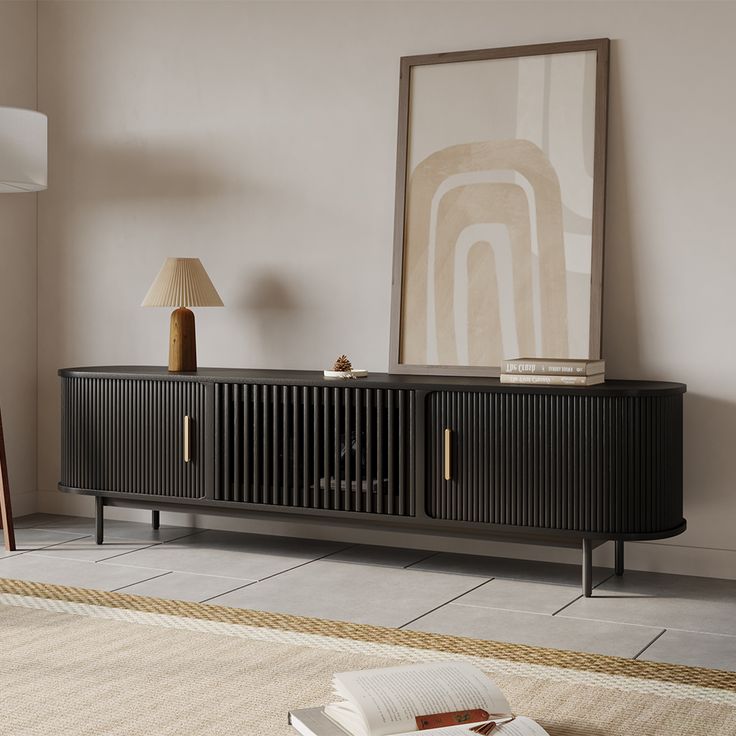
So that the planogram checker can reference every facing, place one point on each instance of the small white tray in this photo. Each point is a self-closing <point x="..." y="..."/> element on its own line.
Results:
<point x="346" y="374"/>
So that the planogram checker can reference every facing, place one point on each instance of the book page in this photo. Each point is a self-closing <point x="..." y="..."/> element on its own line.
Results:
<point x="390" y="699"/>
<point x="520" y="726"/>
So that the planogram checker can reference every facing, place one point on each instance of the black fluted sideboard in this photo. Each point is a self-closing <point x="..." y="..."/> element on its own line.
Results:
<point x="467" y="457"/>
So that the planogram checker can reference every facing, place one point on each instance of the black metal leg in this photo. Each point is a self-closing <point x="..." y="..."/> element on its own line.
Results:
<point x="155" y="521"/>
<point x="587" y="568"/>
<point x="99" y="518"/>
<point x="619" y="553"/>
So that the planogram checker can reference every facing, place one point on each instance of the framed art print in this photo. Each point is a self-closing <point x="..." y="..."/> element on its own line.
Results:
<point x="500" y="199"/>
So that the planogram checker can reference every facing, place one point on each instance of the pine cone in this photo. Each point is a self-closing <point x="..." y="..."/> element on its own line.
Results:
<point x="342" y="364"/>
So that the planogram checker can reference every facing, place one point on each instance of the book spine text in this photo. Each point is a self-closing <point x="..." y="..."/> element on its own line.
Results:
<point x="571" y="369"/>
<point x="558" y="380"/>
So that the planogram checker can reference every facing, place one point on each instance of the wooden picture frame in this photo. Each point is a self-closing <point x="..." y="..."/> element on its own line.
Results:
<point x="436" y="93"/>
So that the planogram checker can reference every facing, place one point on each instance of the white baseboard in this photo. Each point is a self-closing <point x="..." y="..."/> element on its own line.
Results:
<point x="665" y="556"/>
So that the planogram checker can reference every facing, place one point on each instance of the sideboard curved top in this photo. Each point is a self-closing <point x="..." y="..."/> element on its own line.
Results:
<point x="374" y="380"/>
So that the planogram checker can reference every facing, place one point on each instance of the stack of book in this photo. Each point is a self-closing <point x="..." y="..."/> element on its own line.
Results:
<point x="447" y="698"/>
<point x="554" y="371"/>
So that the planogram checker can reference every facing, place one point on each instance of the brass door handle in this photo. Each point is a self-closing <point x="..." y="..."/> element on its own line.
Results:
<point x="187" y="438"/>
<point x="448" y="454"/>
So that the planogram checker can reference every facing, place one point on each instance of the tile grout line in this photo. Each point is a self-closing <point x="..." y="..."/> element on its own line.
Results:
<point x="534" y="581"/>
<point x="506" y="610"/>
<point x="280" y="572"/>
<point x="700" y="632"/>
<point x="19" y="552"/>
<point x="40" y="551"/>
<point x="650" y="626"/>
<point x="192" y="533"/>
<point x="145" y="580"/>
<point x="245" y="580"/>
<point x="148" y="546"/>
<point x="568" y="604"/>
<point x="605" y="580"/>
<point x="423" y="559"/>
<point x="227" y="592"/>
<point x="511" y="578"/>
<point x="304" y="564"/>
<point x="130" y="551"/>
<point x="638" y="654"/>
<point x="613" y="621"/>
<point x="442" y="605"/>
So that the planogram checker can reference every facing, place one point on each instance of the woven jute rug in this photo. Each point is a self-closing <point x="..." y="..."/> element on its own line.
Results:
<point x="85" y="662"/>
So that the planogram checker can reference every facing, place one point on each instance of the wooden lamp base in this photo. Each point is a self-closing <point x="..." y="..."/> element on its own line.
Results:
<point x="182" y="341"/>
<point x="6" y="514"/>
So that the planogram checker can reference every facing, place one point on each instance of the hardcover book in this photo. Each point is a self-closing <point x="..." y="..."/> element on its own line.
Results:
<point x="436" y="698"/>
<point x="562" y="366"/>
<point x="539" y="379"/>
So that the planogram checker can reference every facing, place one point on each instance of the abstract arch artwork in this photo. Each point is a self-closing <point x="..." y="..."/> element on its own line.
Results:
<point x="499" y="210"/>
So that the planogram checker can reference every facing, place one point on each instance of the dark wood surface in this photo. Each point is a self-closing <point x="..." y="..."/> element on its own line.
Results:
<point x="374" y="380"/>
<point x="599" y="197"/>
<point x="6" y="514"/>
<point x="505" y="52"/>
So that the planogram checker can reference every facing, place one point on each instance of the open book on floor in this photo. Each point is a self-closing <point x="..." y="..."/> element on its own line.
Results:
<point x="436" y="699"/>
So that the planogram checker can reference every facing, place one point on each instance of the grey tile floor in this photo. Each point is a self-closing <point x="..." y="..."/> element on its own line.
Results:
<point x="663" y="618"/>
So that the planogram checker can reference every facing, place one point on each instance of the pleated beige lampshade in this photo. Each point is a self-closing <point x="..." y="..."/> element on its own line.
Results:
<point x="182" y="282"/>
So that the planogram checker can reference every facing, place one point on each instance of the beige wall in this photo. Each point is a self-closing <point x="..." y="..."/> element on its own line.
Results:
<point x="18" y="267"/>
<point x="261" y="137"/>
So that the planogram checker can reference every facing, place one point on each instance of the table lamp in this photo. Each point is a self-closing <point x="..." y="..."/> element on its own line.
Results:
<point x="182" y="283"/>
<point x="23" y="166"/>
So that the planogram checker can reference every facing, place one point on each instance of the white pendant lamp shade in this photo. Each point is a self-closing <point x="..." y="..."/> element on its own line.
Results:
<point x="182" y="282"/>
<point x="23" y="135"/>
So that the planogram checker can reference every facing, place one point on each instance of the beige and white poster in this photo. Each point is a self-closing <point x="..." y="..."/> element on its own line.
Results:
<point x="498" y="240"/>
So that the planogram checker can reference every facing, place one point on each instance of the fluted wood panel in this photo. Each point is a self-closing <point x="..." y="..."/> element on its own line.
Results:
<point x="331" y="448"/>
<point x="128" y="436"/>
<point x="607" y="464"/>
